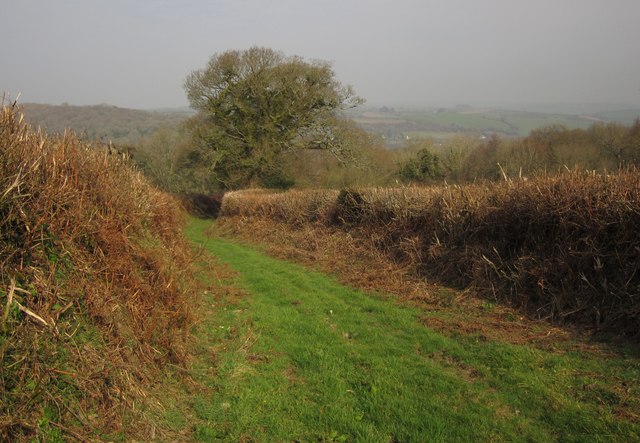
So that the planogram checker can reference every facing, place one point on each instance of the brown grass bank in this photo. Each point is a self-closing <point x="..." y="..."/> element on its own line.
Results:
<point x="564" y="247"/>
<point x="93" y="281"/>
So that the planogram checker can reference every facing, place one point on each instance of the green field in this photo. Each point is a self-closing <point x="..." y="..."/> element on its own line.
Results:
<point x="478" y="122"/>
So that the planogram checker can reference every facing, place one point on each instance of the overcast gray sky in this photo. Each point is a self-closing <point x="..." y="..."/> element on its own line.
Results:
<point x="136" y="53"/>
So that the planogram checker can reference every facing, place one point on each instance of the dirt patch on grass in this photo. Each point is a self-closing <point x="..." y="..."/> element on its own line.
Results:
<point x="466" y="372"/>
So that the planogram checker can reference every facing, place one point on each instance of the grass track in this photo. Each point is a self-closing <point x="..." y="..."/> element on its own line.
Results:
<point x="300" y="357"/>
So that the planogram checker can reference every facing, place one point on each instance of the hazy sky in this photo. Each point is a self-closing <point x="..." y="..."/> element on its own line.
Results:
<point x="136" y="53"/>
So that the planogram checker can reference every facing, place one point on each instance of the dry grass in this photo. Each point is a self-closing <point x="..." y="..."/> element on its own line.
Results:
<point x="563" y="247"/>
<point x="84" y="241"/>
<point x="294" y="207"/>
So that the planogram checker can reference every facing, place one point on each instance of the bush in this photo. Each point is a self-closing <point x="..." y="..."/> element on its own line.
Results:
<point x="348" y="208"/>
<point x="425" y="167"/>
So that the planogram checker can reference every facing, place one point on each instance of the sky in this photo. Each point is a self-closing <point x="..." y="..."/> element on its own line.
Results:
<point x="137" y="53"/>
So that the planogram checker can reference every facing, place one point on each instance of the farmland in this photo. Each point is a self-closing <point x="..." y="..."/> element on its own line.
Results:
<point x="395" y="125"/>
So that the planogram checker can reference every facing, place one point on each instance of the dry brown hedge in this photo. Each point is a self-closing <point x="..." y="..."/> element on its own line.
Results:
<point x="563" y="247"/>
<point x="85" y="243"/>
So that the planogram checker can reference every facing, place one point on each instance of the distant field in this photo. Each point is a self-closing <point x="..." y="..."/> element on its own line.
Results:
<point x="396" y="124"/>
<point x="436" y="135"/>
<point x="460" y="121"/>
<point x="528" y="122"/>
<point x="626" y="116"/>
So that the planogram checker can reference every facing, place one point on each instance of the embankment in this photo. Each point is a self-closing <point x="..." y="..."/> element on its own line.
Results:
<point x="94" y="277"/>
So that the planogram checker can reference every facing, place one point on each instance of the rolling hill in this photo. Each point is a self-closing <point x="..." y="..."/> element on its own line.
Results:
<point x="103" y="122"/>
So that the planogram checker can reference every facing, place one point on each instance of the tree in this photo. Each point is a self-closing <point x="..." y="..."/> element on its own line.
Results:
<point x="157" y="156"/>
<point x="610" y="139"/>
<point x="258" y="104"/>
<point x="424" y="167"/>
<point x="482" y="162"/>
<point x="371" y="162"/>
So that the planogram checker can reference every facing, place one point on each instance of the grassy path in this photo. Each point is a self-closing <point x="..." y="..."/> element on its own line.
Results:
<point x="295" y="356"/>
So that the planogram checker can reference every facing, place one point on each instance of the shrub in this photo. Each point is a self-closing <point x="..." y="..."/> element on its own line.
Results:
<point x="425" y="167"/>
<point x="348" y="207"/>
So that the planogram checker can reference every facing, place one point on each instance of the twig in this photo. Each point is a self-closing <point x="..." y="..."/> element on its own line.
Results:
<point x="33" y="315"/>
<point x="9" y="300"/>
<point x="504" y="174"/>
<point x="15" y="184"/>
<point x="71" y="411"/>
<point x="60" y="371"/>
